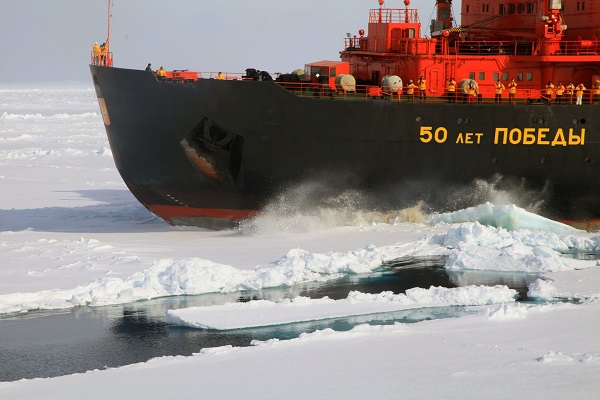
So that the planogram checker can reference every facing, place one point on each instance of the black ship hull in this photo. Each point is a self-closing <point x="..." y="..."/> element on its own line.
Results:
<point x="209" y="151"/>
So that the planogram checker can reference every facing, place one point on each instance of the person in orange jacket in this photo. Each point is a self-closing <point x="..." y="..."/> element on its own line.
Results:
<point x="560" y="89"/>
<point x="499" y="87"/>
<point x="161" y="73"/>
<point x="410" y="91"/>
<point x="548" y="92"/>
<point x="422" y="84"/>
<point x="96" y="53"/>
<point x="512" y="91"/>
<point x="579" y="94"/>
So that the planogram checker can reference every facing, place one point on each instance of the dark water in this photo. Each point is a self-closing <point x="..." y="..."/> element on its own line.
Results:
<point x="45" y="344"/>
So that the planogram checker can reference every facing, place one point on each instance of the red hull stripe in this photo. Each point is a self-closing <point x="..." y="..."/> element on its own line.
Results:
<point x="590" y="225"/>
<point x="168" y="212"/>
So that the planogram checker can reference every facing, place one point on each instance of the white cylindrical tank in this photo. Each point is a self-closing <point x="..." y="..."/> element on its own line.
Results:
<point x="345" y="83"/>
<point x="391" y="83"/>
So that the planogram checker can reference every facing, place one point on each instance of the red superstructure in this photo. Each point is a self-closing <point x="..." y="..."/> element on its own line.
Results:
<point x="532" y="42"/>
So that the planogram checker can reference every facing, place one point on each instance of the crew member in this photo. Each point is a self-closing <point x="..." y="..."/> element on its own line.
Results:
<point x="570" y="89"/>
<point x="161" y="73"/>
<point x="149" y="67"/>
<point x="596" y="91"/>
<point x="220" y="76"/>
<point x="471" y="92"/>
<point x="560" y="89"/>
<point x="548" y="92"/>
<point x="103" y="52"/>
<point x="579" y="93"/>
<point x="451" y="90"/>
<point x="499" y="86"/>
<point x="410" y="91"/>
<point x="512" y="91"/>
<point x="96" y="52"/>
<point x="422" y="84"/>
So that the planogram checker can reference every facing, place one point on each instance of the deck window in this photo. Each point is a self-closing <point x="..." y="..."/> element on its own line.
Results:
<point x="471" y="75"/>
<point x="511" y="8"/>
<point x="530" y="8"/>
<point x="505" y="76"/>
<point x="520" y="77"/>
<point x="496" y="76"/>
<point x="502" y="9"/>
<point x="332" y="72"/>
<point x="529" y="76"/>
<point x="482" y="76"/>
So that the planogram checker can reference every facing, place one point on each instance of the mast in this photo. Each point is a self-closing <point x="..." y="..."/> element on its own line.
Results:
<point x="108" y="37"/>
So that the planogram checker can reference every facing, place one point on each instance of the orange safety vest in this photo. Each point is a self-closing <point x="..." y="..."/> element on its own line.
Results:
<point x="411" y="88"/>
<point x="512" y="87"/>
<point x="471" y="90"/>
<point x="580" y="89"/>
<point x="560" y="89"/>
<point x="549" y="88"/>
<point x="570" y="87"/>
<point x="499" y="87"/>
<point x="422" y="84"/>
<point x="451" y="86"/>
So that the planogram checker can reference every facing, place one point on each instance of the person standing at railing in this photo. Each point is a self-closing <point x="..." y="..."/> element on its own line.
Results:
<point x="103" y="52"/>
<point x="548" y="92"/>
<point x="570" y="89"/>
<point x="499" y="86"/>
<point x="451" y="90"/>
<point x="579" y="93"/>
<point x="96" y="52"/>
<point x="560" y="89"/>
<point x="410" y="91"/>
<point x="422" y="84"/>
<point x="471" y="92"/>
<point x="596" y="91"/>
<point x="220" y="76"/>
<point x="512" y="91"/>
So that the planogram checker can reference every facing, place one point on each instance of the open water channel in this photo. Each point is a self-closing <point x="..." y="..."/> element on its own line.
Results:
<point x="53" y="343"/>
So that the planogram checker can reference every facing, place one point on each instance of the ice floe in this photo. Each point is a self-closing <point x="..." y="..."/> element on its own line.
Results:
<point x="263" y="313"/>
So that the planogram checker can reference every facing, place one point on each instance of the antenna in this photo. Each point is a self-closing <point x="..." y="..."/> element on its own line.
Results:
<point x="108" y="38"/>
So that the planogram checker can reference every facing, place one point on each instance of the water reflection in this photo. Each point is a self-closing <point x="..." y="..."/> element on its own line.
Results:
<point x="44" y="344"/>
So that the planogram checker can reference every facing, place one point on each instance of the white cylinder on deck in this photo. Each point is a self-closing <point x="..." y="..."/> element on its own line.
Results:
<point x="391" y="83"/>
<point x="345" y="83"/>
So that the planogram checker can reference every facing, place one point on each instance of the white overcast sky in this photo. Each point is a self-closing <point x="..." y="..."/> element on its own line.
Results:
<point x="50" y="40"/>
